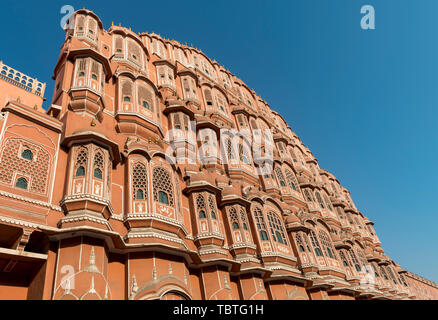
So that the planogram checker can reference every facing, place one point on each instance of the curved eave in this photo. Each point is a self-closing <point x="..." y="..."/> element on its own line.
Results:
<point x="92" y="53"/>
<point x="97" y="137"/>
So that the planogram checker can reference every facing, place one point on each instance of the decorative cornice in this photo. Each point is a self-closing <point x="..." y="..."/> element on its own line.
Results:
<point x="32" y="201"/>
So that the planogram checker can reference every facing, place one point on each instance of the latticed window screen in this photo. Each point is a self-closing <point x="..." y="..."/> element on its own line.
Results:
<point x="194" y="93"/>
<point x="315" y="243"/>
<point x="127" y="90"/>
<point x="343" y="258"/>
<point x="91" y="28"/>
<point x="243" y="154"/>
<point x="361" y="255"/>
<point x="98" y="165"/>
<point x="162" y="186"/>
<point x="292" y="154"/>
<point x="134" y="51"/>
<point x="94" y="68"/>
<point x="81" y="162"/>
<point x="208" y="97"/>
<point x="354" y="259"/>
<point x="241" y="120"/>
<point x="229" y="149"/>
<point x="212" y="206"/>
<point x="383" y="272"/>
<point x="334" y="189"/>
<point x="80" y="22"/>
<point x="327" y="201"/>
<point x="340" y="213"/>
<point x="243" y="218"/>
<point x="145" y="98"/>
<point x="234" y="219"/>
<point x="319" y="199"/>
<point x="291" y="180"/>
<point x="200" y="206"/>
<point x="300" y="242"/>
<point x="276" y="227"/>
<point x="260" y="223"/>
<point x="118" y="45"/>
<point x="139" y="182"/>
<point x="82" y="65"/>
<point x="254" y="126"/>
<point x="220" y="101"/>
<point x="280" y="176"/>
<point x="12" y="162"/>
<point x="391" y="274"/>
<point x="327" y="244"/>
<point x="308" y="196"/>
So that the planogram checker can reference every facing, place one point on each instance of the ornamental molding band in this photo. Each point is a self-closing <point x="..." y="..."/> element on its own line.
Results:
<point x="153" y="157"/>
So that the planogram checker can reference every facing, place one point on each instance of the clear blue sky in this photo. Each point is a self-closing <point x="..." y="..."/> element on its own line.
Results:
<point x="365" y="102"/>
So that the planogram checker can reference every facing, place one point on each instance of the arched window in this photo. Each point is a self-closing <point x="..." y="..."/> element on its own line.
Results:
<point x="80" y="172"/>
<point x="291" y="180"/>
<point x="234" y="219"/>
<point x="243" y="219"/>
<point x="91" y="28"/>
<point x="119" y="46"/>
<point x="243" y="154"/>
<point x="383" y="272"/>
<point x="163" y="187"/>
<point x="327" y="202"/>
<point x="327" y="244"/>
<point x="145" y="98"/>
<point x="229" y="149"/>
<point x="255" y="128"/>
<point x="343" y="258"/>
<point x="127" y="91"/>
<point x="308" y="196"/>
<point x="340" y="213"/>
<point x="97" y="173"/>
<point x="139" y="195"/>
<point x="139" y="181"/>
<point x="81" y="72"/>
<point x="354" y="260"/>
<point x="202" y="215"/>
<point x="163" y="197"/>
<point x="220" y="103"/>
<point x="302" y="241"/>
<point x="260" y="224"/>
<point x="208" y="97"/>
<point x="21" y="183"/>
<point x="276" y="228"/>
<point x="27" y="154"/>
<point x="280" y="177"/>
<point x="81" y="162"/>
<point x="134" y="53"/>
<point x="315" y="244"/>
<point x="212" y="206"/>
<point x="200" y="206"/>
<point x="318" y="252"/>
<point x="98" y="165"/>
<point x="80" y="25"/>
<point x="319" y="199"/>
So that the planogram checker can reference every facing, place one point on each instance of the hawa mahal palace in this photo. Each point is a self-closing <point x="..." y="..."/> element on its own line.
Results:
<point x="95" y="205"/>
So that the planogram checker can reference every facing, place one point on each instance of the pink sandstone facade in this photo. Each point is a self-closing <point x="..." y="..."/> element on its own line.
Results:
<point x="91" y="207"/>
